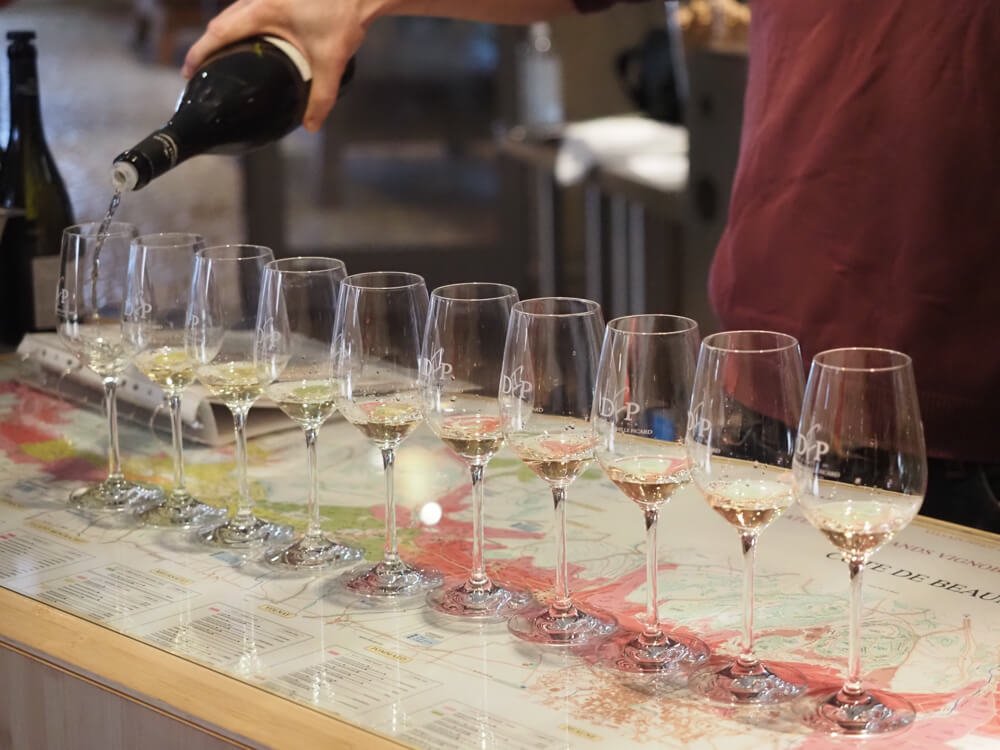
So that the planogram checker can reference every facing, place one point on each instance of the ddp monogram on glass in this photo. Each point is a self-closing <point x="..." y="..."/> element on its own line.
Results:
<point x="295" y="332"/>
<point x="380" y="321"/>
<point x="546" y="394"/>
<point x="221" y="326"/>
<point x="860" y="474"/>
<point x="639" y="415"/>
<point x="459" y="379"/>
<point x="89" y="302"/>
<point x="745" y="406"/>
<point x="160" y="269"/>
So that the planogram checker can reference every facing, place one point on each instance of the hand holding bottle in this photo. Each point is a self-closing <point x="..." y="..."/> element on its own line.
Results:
<point x="328" y="34"/>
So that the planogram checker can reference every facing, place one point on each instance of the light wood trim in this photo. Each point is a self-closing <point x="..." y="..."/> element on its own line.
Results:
<point x="187" y="692"/>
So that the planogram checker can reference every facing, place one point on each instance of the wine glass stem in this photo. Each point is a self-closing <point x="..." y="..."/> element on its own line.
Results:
<point x="561" y="603"/>
<point x="177" y="435"/>
<point x="853" y="684"/>
<point x="651" y="627"/>
<point x="748" y="543"/>
<point x="111" y="411"/>
<point x="244" y="507"/>
<point x="391" y="554"/>
<point x="478" y="576"/>
<point x="312" y="503"/>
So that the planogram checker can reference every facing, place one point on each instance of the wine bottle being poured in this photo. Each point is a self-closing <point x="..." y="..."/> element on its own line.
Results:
<point x="246" y="95"/>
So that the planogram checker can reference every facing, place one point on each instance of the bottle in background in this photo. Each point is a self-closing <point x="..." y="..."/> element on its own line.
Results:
<point x="539" y="81"/>
<point x="244" y="96"/>
<point x="33" y="190"/>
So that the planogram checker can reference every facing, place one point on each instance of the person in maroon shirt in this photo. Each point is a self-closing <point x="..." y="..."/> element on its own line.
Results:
<point x="865" y="209"/>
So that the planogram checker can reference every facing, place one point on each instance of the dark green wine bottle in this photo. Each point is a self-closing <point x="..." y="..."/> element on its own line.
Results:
<point x="244" y="96"/>
<point x="33" y="190"/>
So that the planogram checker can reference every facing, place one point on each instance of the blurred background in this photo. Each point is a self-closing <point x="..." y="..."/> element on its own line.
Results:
<point x="589" y="157"/>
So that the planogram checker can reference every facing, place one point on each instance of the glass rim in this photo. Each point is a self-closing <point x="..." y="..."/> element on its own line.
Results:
<point x="440" y="292"/>
<point x="262" y="251"/>
<point x="896" y="360"/>
<point x="148" y="240"/>
<point x="590" y="307"/>
<point x="328" y="263"/>
<point x="615" y="324"/>
<point x="115" y="228"/>
<point x="790" y="342"/>
<point x="415" y="280"/>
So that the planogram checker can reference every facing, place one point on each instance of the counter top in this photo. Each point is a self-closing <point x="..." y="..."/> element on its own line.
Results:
<point x="263" y="659"/>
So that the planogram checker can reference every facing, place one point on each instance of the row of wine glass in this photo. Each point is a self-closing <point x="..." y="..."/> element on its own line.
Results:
<point x="644" y="395"/>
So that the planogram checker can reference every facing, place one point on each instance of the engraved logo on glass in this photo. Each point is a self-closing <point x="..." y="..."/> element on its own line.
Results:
<point x="515" y="385"/>
<point x="434" y="368"/>
<point x="808" y="448"/>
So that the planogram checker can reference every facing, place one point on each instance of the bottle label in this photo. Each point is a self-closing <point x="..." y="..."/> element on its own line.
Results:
<point x="169" y="147"/>
<point x="44" y="280"/>
<point x="293" y="54"/>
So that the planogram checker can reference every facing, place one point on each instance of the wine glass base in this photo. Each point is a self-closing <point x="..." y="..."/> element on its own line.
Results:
<point x="240" y="533"/>
<point x="389" y="580"/>
<point x="574" y="627"/>
<point x="478" y="602"/>
<point x="314" y="553"/>
<point x="872" y="713"/>
<point x="116" y="496"/>
<point x="726" y="681"/>
<point x="671" y="652"/>
<point x="181" y="511"/>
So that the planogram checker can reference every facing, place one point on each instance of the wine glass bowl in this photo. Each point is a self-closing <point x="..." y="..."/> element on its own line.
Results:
<point x="89" y="303"/>
<point x="221" y="326"/>
<point x="158" y="291"/>
<point x="639" y="415"/>
<point x="860" y="473"/>
<point x="740" y="438"/>
<point x="379" y="327"/>
<point x="294" y="344"/>
<point x="460" y="364"/>
<point x="546" y="394"/>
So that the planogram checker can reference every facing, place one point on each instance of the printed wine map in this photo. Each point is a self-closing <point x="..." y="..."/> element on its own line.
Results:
<point x="931" y="626"/>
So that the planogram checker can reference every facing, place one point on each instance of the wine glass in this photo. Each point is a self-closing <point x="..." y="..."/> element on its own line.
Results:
<point x="89" y="300"/>
<point x="160" y="268"/>
<point x="741" y="430"/>
<point x="295" y="328"/>
<point x="860" y="473"/>
<point x="546" y="394"/>
<point x="459" y="379"/>
<point x="220" y="329"/>
<point x="380" y="320"/>
<point x="640" y="409"/>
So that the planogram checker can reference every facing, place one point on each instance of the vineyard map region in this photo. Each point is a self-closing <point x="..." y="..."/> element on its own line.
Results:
<point x="931" y="623"/>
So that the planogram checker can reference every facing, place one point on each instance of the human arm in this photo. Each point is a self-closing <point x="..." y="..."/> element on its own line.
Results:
<point x="329" y="32"/>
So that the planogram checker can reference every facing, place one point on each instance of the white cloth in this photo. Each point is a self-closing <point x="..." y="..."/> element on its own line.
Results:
<point x="638" y="147"/>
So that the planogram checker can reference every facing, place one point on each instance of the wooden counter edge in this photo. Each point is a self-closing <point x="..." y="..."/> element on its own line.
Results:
<point x="172" y="686"/>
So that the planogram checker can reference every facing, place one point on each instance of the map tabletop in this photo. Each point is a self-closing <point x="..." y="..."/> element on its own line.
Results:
<point x="931" y="621"/>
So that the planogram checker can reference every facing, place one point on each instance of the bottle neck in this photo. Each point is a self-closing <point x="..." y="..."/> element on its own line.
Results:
<point x="25" y="109"/>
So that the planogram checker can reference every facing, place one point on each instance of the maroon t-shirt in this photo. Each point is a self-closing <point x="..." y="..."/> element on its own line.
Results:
<point x="866" y="205"/>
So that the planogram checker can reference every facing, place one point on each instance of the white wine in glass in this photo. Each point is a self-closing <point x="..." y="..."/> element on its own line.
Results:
<point x="90" y="299"/>
<point x="639" y="415"/>
<point x="161" y="267"/>
<point x="380" y="320"/>
<point x="740" y="437"/>
<point x="860" y="475"/>
<point x="295" y="332"/>
<point x="546" y="395"/>
<point x="221" y="327"/>
<point x="459" y="378"/>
